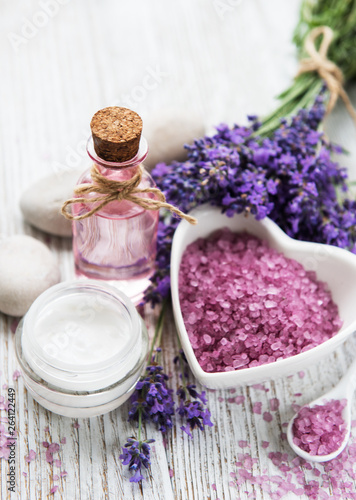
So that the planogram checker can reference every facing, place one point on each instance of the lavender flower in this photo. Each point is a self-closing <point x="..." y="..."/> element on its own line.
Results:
<point x="289" y="176"/>
<point x="151" y="401"/>
<point x="136" y="454"/>
<point x="191" y="403"/>
<point x="152" y="398"/>
<point x="193" y="412"/>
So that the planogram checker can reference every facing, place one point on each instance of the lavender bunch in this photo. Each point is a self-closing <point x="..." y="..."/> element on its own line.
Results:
<point x="136" y="454"/>
<point x="290" y="177"/>
<point x="191" y="403"/>
<point x="151" y="401"/>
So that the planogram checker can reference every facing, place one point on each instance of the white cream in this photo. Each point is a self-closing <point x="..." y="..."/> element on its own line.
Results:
<point x="69" y="331"/>
<point x="82" y="347"/>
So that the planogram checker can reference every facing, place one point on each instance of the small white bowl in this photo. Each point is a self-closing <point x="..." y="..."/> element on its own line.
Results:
<point x="335" y="266"/>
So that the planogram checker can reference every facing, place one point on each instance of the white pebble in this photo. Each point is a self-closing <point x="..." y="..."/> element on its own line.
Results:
<point x="27" y="268"/>
<point x="41" y="202"/>
<point x="167" y="131"/>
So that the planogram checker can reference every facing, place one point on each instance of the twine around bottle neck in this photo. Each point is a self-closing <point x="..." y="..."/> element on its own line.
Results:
<point x="108" y="190"/>
<point x="327" y="70"/>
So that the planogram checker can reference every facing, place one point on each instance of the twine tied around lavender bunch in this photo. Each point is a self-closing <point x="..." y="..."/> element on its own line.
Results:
<point x="109" y="190"/>
<point x="328" y="71"/>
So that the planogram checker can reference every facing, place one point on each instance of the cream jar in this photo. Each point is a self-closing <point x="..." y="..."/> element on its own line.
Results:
<point x="82" y="347"/>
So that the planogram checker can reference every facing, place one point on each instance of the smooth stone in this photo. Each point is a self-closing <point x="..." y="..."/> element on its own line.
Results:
<point x="167" y="131"/>
<point x="41" y="202"/>
<point x="27" y="268"/>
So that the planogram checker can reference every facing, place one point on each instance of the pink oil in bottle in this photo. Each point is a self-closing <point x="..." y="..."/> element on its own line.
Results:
<point x="118" y="243"/>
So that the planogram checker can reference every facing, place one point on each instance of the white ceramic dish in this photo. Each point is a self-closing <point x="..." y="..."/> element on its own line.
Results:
<point x="335" y="266"/>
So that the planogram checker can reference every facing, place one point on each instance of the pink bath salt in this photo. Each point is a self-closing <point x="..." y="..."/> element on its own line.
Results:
<point x="54" y="489"/>
<point x="63" y="440"/>
<point x="287" y="474"/>
<point x="16" y="375"/>
<point x="245" y="304"/>
<point x="320" y="429"/>
<point x="257" y="408"/>
<point x="260" y="387"/>
<point x="267" y="416"/>
<point x="31" y="456"/>
<point x="265" y="444"/>
<point x="76" y="425"/>
<point x="49" y="457"/>
<point x="53" y="447"/>
<point x="243" y="444"/>
<point x="239" y="400"/>
<point x="274" y="404"/>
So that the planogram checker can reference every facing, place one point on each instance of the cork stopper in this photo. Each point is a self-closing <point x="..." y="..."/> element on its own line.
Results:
<point x="116" y="133"/>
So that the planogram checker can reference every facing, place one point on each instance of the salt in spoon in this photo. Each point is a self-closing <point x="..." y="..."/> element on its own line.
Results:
<point x="344" y="390"/>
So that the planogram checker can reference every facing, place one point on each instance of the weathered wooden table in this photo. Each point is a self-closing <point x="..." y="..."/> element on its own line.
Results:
<point x="63" y="60"/>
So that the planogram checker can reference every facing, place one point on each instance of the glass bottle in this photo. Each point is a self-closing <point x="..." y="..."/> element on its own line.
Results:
<point x="118" y="243"/>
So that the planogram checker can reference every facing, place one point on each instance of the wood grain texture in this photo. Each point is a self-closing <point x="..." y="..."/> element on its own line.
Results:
<point x="92" y="54"/>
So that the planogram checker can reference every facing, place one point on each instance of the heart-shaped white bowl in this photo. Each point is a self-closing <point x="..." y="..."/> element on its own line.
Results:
<point x="335" y="266"/>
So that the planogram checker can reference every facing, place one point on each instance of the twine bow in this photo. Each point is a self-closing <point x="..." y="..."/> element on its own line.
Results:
<point x="110" y="190"/>
<point x="327" y="70"/>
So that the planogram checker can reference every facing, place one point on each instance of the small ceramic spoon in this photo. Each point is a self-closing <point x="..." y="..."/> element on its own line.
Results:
<point x="343" y="390"/>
